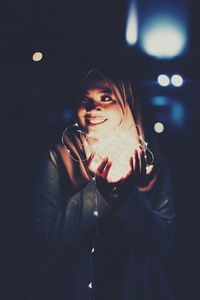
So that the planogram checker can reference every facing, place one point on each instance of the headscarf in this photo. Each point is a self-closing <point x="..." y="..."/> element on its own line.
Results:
<point x="118" y="144"/>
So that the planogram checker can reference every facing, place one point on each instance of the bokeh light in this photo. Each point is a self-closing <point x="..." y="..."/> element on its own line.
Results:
<point x="163" y="80"/>
<point x="158" y="127"/>
<point x="132" y="24"/>
<point x="160" y="100"/>
<point x="163" y="36"/>
<point x="177" y="80"/>
<point x="37" y="56"/>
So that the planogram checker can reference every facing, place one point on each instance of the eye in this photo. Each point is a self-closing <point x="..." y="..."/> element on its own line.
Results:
<point x="106" y="98"/>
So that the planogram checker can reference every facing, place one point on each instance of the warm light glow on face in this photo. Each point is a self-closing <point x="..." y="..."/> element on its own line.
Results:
<point x="99" y="112"/>
<point x="37" y="56"/>
<point x="107" y="130"/>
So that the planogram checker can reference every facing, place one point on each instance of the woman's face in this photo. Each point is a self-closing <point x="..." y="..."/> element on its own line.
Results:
<point x="98" y="112"/>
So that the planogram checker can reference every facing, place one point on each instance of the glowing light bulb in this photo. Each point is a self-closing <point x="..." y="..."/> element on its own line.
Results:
<point x="90" y="285"/>
<point x="95" y="213"/>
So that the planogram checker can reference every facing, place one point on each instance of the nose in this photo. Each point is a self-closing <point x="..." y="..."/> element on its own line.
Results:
<point x="93" y="105"/>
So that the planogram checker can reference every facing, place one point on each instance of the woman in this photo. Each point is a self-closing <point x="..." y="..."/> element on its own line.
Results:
<point x="103" y="214"/>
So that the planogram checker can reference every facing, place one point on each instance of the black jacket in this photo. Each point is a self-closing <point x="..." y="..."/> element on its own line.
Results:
<point x="112" y="256"/>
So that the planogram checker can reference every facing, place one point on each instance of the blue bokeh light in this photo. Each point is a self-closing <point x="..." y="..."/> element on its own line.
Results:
<point x="177" y="114"/>
<point x="160" y="100"/>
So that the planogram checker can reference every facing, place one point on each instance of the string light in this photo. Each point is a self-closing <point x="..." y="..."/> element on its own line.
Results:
<point x="109" y="147"/>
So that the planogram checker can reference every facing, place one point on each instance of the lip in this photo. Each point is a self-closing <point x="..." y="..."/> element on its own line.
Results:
<point x="95" y="121"/>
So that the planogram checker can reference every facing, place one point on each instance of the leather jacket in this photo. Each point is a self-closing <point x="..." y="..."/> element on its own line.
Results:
<point x="114" y="254"/>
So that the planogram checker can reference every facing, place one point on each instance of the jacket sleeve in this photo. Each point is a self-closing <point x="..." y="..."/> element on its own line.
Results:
<point x="60" y="221"/>
<point x="149" y="218"/>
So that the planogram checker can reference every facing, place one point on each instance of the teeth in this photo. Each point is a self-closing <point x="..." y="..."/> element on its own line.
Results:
<point x="96" y="121"/>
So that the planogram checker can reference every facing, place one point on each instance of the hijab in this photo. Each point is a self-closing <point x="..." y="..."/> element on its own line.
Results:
<point x="120" y="143"/>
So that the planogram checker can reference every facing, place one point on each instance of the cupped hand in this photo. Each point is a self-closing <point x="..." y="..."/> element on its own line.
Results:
<point x="101" y="174"/>
<point x="139" y="173"/>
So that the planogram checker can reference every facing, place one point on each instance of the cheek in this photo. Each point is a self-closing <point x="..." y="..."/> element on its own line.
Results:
<point x="80" y="113"/>
<point x="115" y="116"/>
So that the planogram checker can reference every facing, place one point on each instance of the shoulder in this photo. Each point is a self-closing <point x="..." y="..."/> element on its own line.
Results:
<point x="49" y="158"/>
<point x="55" y="153"/>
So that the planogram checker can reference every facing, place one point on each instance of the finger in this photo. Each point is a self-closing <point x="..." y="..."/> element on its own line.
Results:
<point x="102" y="165"/>
<point x="131" y="172"/>
<point x="131" y="163"/>
<point x="90" y="158"/>
<point x="142" y="164"/>
<point x="106" y="169"/>
<point x="137" y="163"/>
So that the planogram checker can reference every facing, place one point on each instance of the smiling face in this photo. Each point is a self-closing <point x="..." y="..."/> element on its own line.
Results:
<point x="98" y="112"/>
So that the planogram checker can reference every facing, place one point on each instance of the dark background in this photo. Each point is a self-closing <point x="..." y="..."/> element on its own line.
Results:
<point x="37" y="103"/>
